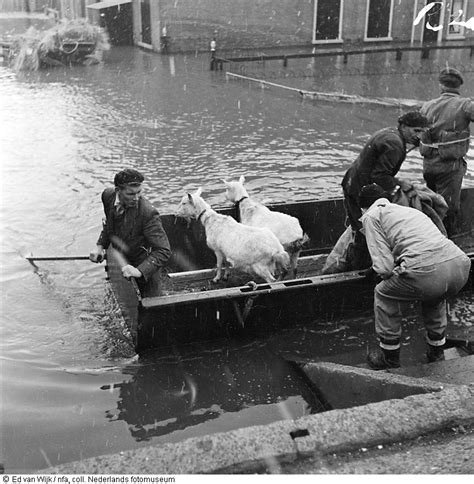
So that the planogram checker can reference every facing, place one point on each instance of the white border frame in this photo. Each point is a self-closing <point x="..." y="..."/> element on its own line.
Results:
<point x="326" y="41"/>
<point x="390" y="23"/>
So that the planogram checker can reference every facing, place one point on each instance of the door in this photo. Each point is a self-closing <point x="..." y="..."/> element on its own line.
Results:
<point x="432" y="21"/>
<point x="146" y="21"/>
<point x="327" y="20"/>
<point x="119" y="24"/>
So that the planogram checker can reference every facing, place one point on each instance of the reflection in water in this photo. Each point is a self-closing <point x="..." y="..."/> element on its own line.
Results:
<point x="172" y="394"/>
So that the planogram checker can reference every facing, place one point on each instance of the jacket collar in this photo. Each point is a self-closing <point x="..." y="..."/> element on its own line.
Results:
<point x="121" y="208"/>
<point x="402" y="138"/>
<point x="449" y="91"/>
<point x="381" y="202"/>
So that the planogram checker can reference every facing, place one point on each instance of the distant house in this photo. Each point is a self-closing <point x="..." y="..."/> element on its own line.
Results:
<point x="256" y="24"/>
<point x="190" y="25"/>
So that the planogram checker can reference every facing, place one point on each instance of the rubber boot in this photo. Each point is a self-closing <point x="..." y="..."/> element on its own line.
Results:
<point x="381" y="359"/>
<point x="434" y="353"/>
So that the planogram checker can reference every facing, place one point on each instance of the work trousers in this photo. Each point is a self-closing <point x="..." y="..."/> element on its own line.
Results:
<point x="445" y="178"/>
<point x="430" y="285"/>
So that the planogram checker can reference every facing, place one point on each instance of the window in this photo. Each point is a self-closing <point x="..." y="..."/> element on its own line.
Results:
<point x="379" y="20"/>
<point x="457" y="13"/>
<point x="146" y="21"/>
<point x="327" y="20"/>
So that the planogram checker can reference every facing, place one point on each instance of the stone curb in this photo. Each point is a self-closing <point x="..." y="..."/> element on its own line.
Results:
<point x="343" y="430"/>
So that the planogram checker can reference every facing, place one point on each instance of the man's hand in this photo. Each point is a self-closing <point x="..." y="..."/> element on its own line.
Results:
<point x="97" y="255"/>
<point x="129" y="271"/>
<point x="370" y="275"/>
<point x="405" y="186"/>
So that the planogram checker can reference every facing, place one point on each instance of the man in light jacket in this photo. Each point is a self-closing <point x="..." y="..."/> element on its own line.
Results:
<point x="416" y="262"/>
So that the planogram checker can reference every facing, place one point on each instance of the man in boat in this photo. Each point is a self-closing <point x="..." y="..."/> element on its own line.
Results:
<point x="446" y="143"/>
<point x="415" y="262"/>
<point x="133" y="227"/>
<point x="378" y="162"/>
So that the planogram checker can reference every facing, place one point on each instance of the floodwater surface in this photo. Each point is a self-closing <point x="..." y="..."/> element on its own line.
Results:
<point x="72" y="387"/>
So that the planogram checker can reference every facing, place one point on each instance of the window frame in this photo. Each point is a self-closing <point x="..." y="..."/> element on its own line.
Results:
<point x="339" y="39"/>
<point x="390" y="25"/>
<point x="461" y="34"/>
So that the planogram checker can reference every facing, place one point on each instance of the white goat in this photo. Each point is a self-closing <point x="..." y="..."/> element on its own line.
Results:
<point x="287" y="228"/>
<point x="249" y="249"/>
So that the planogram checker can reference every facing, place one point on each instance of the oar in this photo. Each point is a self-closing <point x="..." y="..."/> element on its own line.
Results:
<point x="31" y="259"/>
<point x="61" y="257"/>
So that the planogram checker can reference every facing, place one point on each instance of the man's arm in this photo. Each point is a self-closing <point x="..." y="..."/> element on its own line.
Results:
<point x="104" y="240"/>
<point x="390" y="156"/>
<point x="97" y="254"/>
<point x="158" y="240"/>
<point x="380" y="252"/>
<point x="468" y="108"/>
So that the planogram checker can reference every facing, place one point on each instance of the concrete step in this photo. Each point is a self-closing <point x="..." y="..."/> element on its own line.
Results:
<point x="458" y="369"/>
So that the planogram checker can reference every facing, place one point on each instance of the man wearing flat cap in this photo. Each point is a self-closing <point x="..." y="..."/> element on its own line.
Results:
<point x="379" y="162"/>
<point x="446" y="143"/>
<point x="133" y="227"/>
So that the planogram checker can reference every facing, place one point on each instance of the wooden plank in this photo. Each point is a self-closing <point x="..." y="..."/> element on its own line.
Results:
<point x="310" y="263"/>
<point x="244" y="291"/>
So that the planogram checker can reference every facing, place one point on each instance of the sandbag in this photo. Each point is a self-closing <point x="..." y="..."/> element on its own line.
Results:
<point x="337" y="260"/>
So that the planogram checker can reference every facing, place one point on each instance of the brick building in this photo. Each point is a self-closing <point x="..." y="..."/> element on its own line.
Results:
<point x="258" y="24"/>
<point x="190" y="25"/>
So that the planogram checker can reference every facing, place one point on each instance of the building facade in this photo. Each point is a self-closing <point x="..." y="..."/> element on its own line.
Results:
<point x="261" y="24"/>
<point x="190" y="25"/>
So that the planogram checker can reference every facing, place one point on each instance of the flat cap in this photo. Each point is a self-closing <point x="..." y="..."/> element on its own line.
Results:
<point x="450" y="77"/>
<point x="129" y="176"/>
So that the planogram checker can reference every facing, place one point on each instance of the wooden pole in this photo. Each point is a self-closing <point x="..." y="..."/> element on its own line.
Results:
<point x="67" y="257"/>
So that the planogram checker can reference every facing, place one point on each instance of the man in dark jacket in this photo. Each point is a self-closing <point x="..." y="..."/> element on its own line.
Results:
<point x="378" y="162"/>
<point x="133" y="227"/>
<point x="447" y="142"/>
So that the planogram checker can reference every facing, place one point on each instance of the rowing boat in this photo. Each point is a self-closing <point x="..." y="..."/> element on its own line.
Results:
<point x="192" y="308"/>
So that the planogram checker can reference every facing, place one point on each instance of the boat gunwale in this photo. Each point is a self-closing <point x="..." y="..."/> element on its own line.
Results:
<point x="238" y="292"/>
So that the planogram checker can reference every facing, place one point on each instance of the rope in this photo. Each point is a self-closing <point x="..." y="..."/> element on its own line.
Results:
<point x="71" y="51"/>
<point x="444" y="143"/>
<point x="332" y="96"/>
<point x="263" y="82"/>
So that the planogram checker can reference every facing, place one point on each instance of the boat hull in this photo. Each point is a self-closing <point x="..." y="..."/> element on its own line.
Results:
<point x="193" y="309"/>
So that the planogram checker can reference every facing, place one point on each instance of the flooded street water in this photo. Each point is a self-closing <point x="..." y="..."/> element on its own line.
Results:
<point x="71" y="386"/>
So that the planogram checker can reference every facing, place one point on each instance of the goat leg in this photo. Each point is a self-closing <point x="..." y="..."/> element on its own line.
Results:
<point x="220" y="260"/>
